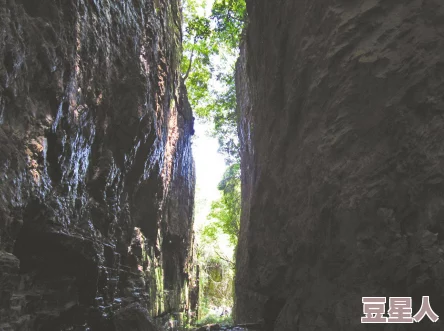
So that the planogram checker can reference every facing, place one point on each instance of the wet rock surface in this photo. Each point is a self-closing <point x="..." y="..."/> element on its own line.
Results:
<point x="341" y="129"/>
<point x="96" y="170"/>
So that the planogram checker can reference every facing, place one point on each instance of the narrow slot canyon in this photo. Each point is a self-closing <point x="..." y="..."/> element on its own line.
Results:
<point x="237" y="165"/>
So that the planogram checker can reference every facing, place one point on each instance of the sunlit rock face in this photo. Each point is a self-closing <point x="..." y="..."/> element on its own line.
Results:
<point x="96" y="172"/>
<point x="342" y="129"/>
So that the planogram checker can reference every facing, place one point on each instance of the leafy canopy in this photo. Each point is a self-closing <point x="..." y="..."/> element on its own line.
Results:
<point x="210" y="48"/>
<point x="226" y="211"/>
<point x="229" y="16"/>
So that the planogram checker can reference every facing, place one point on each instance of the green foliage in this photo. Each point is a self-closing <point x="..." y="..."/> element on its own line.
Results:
<point x="205" y="38"/>
<point x="226" y="211"/>
<point x="229" y="16"/>
<point x="210" y="47"/>
<point x="225" y="120"/>
<point x="217" y="280"/>
<point x="217" y="285"/>
<point x="199" y="28"/>
<point x="216" y="319"/>
<point x="197" y="50"/>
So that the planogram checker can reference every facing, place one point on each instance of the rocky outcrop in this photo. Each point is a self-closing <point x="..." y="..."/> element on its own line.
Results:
<point x="341" y="129"/>
<point x="96" y="171"/>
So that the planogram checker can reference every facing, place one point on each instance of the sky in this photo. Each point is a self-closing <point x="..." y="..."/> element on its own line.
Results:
<point x="210" y="167"/>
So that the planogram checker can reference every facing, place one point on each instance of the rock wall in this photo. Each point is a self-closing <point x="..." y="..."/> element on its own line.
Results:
<point x="341" y="124"/>
<point x="96" y="171"/>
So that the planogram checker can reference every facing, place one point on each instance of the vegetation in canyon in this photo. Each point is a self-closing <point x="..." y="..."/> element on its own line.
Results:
<point x="210" y="48"/>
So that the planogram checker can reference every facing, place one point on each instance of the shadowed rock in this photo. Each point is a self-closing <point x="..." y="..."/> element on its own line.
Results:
<point x="341" y="131"/>
<point x="96" y="171"/>
<point x="134" y="317"/>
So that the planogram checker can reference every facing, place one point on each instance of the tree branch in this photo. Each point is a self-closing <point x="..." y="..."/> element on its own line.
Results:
<point x="191" y="61"/>
<point x="225" y="259"/>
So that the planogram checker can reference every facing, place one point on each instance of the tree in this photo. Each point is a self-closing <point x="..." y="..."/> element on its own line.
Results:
<point x="204" y="40"/>
<point x="199" y="30"/>
<point x="229" y="16"/>
<point x="210" y="47"/>
<point x="197" y="50"/>
<point x="226" y="211"/>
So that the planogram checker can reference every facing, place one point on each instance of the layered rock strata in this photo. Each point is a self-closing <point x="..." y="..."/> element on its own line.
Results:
<point x="96" y="171"/>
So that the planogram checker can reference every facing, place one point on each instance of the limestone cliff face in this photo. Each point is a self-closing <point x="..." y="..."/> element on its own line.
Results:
<point x="341" y="123"/>
<point x="96" y="171"/>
